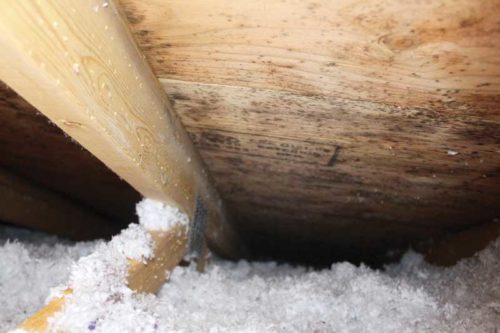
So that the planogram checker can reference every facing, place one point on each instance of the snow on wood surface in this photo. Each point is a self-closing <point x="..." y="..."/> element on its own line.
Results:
<point x="156" y="215"/>
<point x="104" y="284"/>
<point x="410" y="296"/>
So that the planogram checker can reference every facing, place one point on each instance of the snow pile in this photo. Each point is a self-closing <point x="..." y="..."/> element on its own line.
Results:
<point x="29" y="269"/>
<point x="101" y="299"/>
<point x="155" y="215"/>
<point x="99" y="284"/>
<point x="469" y="292"/>
<point x="411" y="296"/>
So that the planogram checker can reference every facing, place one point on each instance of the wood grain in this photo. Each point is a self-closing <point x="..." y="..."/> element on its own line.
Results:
<point x="35" y="149"/>
<point x="78" y="64"/>
<point x="412" y="53"/>
<point x="169" y="248"/>
<point x="329" y="173"/>
<point x="327" y="123"/>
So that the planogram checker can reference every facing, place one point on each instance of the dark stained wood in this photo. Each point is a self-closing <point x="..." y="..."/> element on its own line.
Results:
<point x="333" y="125"/>
<point x="464" y="244"/>
<point x="25" y="204"/>
<point x="346" y="178"/>
<point x="412" y="54"/>
<point x="35" y="149"/>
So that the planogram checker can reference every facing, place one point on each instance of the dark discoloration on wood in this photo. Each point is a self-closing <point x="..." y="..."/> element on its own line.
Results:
<point x="333" y="159"/>
<point x="392" y="184"/>
<point x="90" y="71"/>
<point x="265" y="146"/>
<point x="268" y="89"/>
<point x="416" y="54"/>
<point x="37" y="150"/>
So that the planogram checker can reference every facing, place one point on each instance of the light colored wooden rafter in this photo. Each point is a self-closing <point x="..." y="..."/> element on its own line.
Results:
<point x="77" y="62"/>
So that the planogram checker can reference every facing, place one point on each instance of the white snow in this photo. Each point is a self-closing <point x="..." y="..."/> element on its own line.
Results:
<point x="134" y="243"/>
<point x="155" y="215"/>
<point x="29" y="268"/>
<point x="410" y="296"/>
<point x="101" y="300"/>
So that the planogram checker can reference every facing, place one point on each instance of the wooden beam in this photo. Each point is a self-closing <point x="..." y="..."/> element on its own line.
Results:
<point x="29" y="205"/>
<point x="38" y="322"/>
<point x="77" y="62"/>
<point x="170" y="248"/>
<point x="393" y="84"/>
<point x="40" y="152"/>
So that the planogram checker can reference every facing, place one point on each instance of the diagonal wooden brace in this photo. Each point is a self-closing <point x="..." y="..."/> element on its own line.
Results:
<point x="77" y="62"/>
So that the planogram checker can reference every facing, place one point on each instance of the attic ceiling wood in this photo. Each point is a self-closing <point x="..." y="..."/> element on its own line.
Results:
<point x="329" y="122"/>
<point x="340" y="128"/>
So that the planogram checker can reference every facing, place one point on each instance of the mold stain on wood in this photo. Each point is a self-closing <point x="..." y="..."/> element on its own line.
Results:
<point x="392" y="182"/>
<point x="394" y="84"/>
<point x="330" y="121"/>
<point x="99" y="78"/>
<point x="380" y="49"/>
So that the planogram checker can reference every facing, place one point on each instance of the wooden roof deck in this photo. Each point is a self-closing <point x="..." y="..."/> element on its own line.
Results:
<point x="331" y="126"/>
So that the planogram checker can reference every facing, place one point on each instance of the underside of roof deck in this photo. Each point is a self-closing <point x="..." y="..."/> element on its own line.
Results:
<point x="341" y="128"/>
